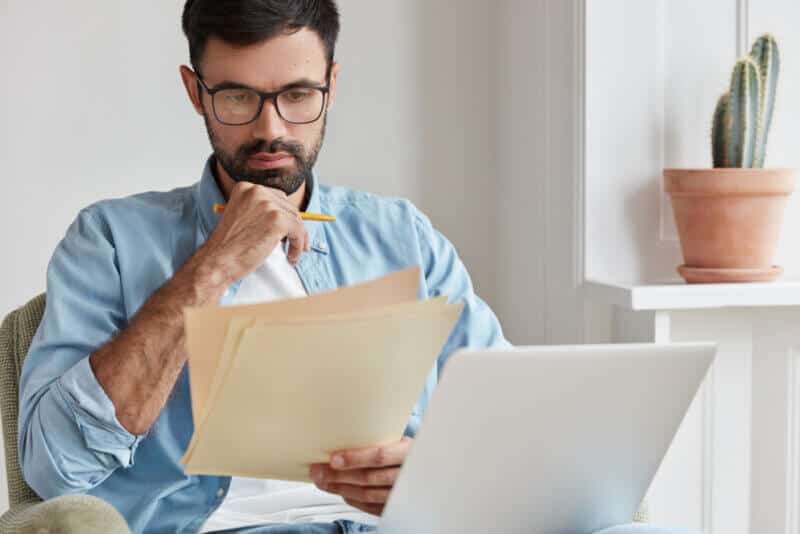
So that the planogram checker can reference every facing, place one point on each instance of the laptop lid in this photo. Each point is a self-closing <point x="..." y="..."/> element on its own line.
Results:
<point x="545" y="439"/>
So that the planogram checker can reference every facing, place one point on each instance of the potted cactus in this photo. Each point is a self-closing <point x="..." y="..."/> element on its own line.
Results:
<point x="729" y="217"/>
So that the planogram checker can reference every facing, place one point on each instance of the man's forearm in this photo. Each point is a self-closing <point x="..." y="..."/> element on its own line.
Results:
<point x="139" y="367"/>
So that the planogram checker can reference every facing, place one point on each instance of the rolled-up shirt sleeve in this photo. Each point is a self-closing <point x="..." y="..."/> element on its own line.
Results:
<point x="69" y="437"/>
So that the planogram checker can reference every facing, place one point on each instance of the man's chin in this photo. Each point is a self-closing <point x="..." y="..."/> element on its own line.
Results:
<point x="280" y="173"/>
<point x="288" y="183"/>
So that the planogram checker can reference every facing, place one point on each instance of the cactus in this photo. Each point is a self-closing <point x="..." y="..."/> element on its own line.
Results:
<point x="766" y="55"/>
<point x="719" y="130"/>
<point x="743" y="115"/>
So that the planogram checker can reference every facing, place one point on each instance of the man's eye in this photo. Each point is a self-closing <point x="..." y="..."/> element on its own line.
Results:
<point x="236" y="98"/>
<point x="297" y="96"/>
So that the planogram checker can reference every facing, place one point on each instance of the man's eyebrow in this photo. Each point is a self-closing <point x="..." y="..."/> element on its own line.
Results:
<point x="302" y="82"/>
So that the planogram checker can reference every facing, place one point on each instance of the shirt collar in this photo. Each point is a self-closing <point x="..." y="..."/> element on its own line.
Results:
<point x="207" y="193"/>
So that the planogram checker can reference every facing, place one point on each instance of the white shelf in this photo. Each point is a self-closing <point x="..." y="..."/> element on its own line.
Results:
<point x="681" y="296"/>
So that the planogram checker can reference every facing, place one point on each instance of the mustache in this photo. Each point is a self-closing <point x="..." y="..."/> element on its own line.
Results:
<point x="278" y="145"/>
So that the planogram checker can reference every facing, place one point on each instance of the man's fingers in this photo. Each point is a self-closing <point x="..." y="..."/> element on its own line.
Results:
<point x="284" y="204"/>
<point x="361" y="494"/>
<point x="298" y="238"/>
<point x="382" y="456"/>
<point x="321" y="474"/>
<point x="374" y="509"/>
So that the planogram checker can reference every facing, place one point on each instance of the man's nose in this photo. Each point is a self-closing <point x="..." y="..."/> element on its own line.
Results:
<point x="269" y="125"/>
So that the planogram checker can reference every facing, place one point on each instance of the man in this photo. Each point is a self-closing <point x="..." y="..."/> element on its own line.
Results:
<point x="104" y="396"/>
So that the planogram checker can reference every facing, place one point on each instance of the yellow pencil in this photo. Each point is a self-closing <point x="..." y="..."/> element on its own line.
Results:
<point x="219" y="208"/>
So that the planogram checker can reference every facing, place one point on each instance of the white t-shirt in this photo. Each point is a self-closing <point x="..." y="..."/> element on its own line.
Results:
<point x="255" y="501"/>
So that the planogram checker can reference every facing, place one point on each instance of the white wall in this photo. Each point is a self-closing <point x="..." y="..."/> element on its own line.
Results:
<point x="537" y="101"/>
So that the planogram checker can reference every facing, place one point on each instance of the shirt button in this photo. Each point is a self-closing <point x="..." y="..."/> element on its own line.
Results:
<point x="323" y="247"/>
<point x="220" y="493"/>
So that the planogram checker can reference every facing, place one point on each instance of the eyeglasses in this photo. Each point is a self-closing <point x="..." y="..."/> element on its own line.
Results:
<point x="238" y="105"/>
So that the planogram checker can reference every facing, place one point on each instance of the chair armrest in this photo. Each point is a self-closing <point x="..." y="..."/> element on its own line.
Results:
<point x="68" y="514"/>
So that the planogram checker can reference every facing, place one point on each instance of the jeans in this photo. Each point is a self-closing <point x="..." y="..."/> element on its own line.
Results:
<point x="348" y="527"/>
<point x="337" y="527"/>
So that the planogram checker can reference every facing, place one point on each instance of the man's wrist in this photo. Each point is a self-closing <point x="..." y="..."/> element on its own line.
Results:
<point x="204" y="278"/>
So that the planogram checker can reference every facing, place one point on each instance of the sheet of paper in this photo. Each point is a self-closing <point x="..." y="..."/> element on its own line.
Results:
<point x="206" y="327"/>
<point x="325" y="384"/>
<point x="237" y="327"/>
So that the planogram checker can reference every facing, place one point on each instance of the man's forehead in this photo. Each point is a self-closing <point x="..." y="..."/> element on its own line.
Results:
<point x="268" y="65"/>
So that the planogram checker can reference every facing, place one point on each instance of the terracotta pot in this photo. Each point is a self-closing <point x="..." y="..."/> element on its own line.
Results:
<point x="729" y="221"/>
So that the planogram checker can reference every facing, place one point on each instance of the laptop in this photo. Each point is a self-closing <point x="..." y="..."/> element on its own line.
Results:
<point x="545" y="439"/>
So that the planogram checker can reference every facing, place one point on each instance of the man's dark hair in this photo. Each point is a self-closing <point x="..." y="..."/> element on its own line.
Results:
<point x="247" y="22"/>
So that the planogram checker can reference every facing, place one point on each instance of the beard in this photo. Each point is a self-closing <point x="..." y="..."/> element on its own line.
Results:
<point x="288" y="179"/>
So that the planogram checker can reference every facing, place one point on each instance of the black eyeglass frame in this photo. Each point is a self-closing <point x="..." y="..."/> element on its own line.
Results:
<point x="263" y="98"/>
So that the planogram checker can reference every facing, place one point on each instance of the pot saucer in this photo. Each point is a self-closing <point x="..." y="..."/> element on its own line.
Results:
<point x="700" y="275"/>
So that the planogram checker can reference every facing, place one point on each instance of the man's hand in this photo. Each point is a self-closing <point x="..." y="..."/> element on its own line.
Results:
<point x="363" y="477"/>
<point x="255" y="220"/>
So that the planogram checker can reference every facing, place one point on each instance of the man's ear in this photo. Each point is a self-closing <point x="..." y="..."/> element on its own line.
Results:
<point x="332" y="85"/>
<point x="192" y="89"/>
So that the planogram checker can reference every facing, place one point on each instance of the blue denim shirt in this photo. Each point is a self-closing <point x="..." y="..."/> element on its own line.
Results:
<point x="112" y="258"/>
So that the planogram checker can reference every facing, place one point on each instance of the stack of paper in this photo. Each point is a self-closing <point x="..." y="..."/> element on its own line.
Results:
<point x="278" y="386"/>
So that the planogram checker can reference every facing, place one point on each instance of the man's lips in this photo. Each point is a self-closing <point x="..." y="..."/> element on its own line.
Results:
<point x="265" y="160"/>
